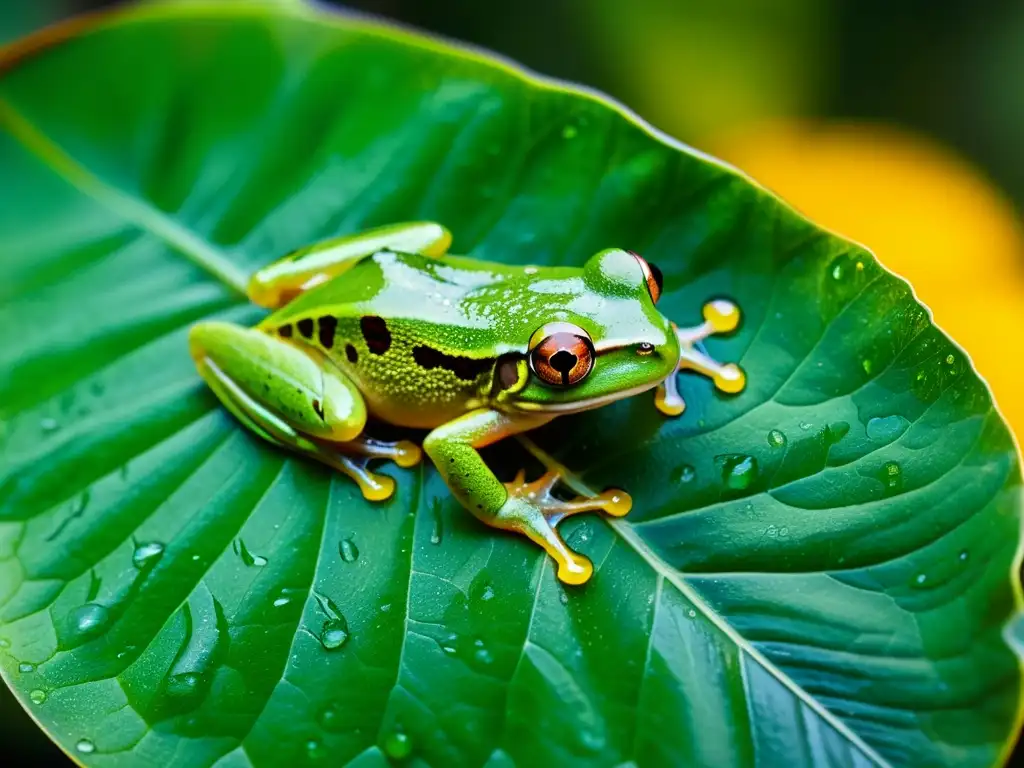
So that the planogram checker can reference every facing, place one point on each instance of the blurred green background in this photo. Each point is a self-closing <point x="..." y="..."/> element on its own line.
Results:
<point x="899" y="123"/>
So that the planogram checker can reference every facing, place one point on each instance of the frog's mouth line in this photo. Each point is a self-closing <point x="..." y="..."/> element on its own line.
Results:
<point x="586" y="405"/>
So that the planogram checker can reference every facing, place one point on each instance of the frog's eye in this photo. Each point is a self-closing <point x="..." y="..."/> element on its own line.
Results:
<point x="652" y="275"/>
<point x="561" y="354"/>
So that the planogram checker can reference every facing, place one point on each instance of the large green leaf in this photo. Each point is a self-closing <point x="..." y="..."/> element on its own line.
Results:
<point x="815" y="572"/>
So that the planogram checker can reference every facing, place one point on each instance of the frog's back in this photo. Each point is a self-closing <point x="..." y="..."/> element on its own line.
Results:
<point x="398" y="326"/>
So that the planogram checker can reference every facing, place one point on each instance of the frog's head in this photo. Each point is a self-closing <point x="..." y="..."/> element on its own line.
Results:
<point x="601" y="339"/>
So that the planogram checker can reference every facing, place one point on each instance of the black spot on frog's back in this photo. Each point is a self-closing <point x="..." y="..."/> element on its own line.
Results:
<point x="375" y="333"/>
<point x="305" y="326"/>
<point x="465" y="368"/>
<point x="327" y="325"/>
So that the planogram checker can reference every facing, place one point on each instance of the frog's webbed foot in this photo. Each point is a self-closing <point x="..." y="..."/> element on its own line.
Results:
<point x="354" y="458"/>
<point x="720" y="316"/>
<point x="533" y="510"/>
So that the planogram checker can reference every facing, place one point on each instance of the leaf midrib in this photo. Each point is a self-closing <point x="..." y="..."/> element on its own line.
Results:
<point x="215" y="262"/>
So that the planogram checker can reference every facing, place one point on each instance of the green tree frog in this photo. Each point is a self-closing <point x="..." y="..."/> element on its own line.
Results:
<point x="386" y="323"/>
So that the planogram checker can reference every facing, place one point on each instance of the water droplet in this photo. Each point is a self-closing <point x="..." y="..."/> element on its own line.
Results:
<point x="348" y="550"/>
<point x="488" y="593"/>
<point x="26" y="668"/>
<point x="771" y="531"/>
<point x="783" y="532"/>
<point x="251" y="560"/>
<point x="89" y="619"/>
<point x="37" y="696"/>
<point x="963" y="555"/>
<point x="891" y="476"/>
<point x="184" y="685"/>
<point x="684" y="473"/>
<point x="48" y="425"/>
<point x="147" y="555"/>
<point x="334" y="633"/>
<point x="838" y="272"/>
<point x="4" y="642"/>
<point x="920" y="578"/>
<point x="805" y="425"/>
<point x="868" y="365"/>
<point x="950" y="359"/>
<point x="885" y="429"/>
<point x="738" y="471"/>
<point x="569" y="132"/>
<point x="385" y="608"/>
<point x="397" y="745"/>
<point x="563" y="598"/>
<point x="777" y="438"/>
<point x="691" y="613"/>
<point x="281" y="602"/>
<point x="483" y="656"/>
<point x="315" y="750"/>
<point x="85" y="746"/>
<point x="437" y="532"/>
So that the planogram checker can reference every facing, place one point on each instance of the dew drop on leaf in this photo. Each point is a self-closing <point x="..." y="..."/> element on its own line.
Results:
<point x="281" y="602"/>
<point x="85" y="746"/>
<point x="885" y="429"/>
<point x="920" y="579"/>
<point x="738" y="471"/>
<point x="397" y="745"/>
<point x="963" y="555"/>
<point x="251" y="560"/>
<point x="315" y="750"/>
<point x="777" y="438"/>
<point x="37" y="696"/>
<point x="26" y="668"/>
<point x="348" y="550"/>
<point x="333" y="635"/>
<point x="684" y="473"/>
<point x="331" y="719"/>
<point x="147" y="555"/>
<point x="437" y="531"/>
<point x="89" y="619"/>
<point x="868" y="365"/>
<point x="184" y="685"/>
<point x="488" y="593"/>
<point x="891" y="476"/>
<point x="49" y="425"/>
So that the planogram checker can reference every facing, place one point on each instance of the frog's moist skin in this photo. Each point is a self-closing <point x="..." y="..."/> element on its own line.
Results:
<point x="387" y="324"/>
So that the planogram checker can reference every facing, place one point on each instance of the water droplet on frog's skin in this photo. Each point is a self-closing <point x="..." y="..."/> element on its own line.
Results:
<point x="147" y="555"/>
<point x="26" y="668"/>
<point x="85" y="747"/>
<point x="251" y="560"/>
<point x="348" y="550"/>
<point x="49" y="425"/>
<point x="777" y="438"/>
<point x="397" y="745"/>
<point x="89" y="619"/>
<point x="37" y="696"/>
<point x="684" y="473"/>
<point x="739" y="471"/>
<point x="891" y="476"/>
<point x="885" y="429"/>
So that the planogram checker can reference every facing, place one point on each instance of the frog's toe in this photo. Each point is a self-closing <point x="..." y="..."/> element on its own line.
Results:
<point x="526" y="517"/>
<point x="403" y="452"/>
<point x="374" y="486"/>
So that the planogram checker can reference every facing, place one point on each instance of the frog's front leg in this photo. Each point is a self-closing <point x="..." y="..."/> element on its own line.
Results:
<point x="527" y="508"/>
<point x="278" y="283"/>
<point x="294" y="398"/>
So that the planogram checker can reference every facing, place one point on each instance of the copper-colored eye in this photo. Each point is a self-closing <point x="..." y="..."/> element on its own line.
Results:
<point x="652" y="275"/>
<point x="561" y="354"/>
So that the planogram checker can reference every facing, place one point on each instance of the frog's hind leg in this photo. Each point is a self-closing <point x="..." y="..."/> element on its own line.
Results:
<point x="720" y="316"/>
<point x="277" y="284"/>
<point x="296" y="399"/>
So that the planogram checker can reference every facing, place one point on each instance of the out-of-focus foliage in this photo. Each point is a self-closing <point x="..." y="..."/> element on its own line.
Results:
<point x="925" y="212"/>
